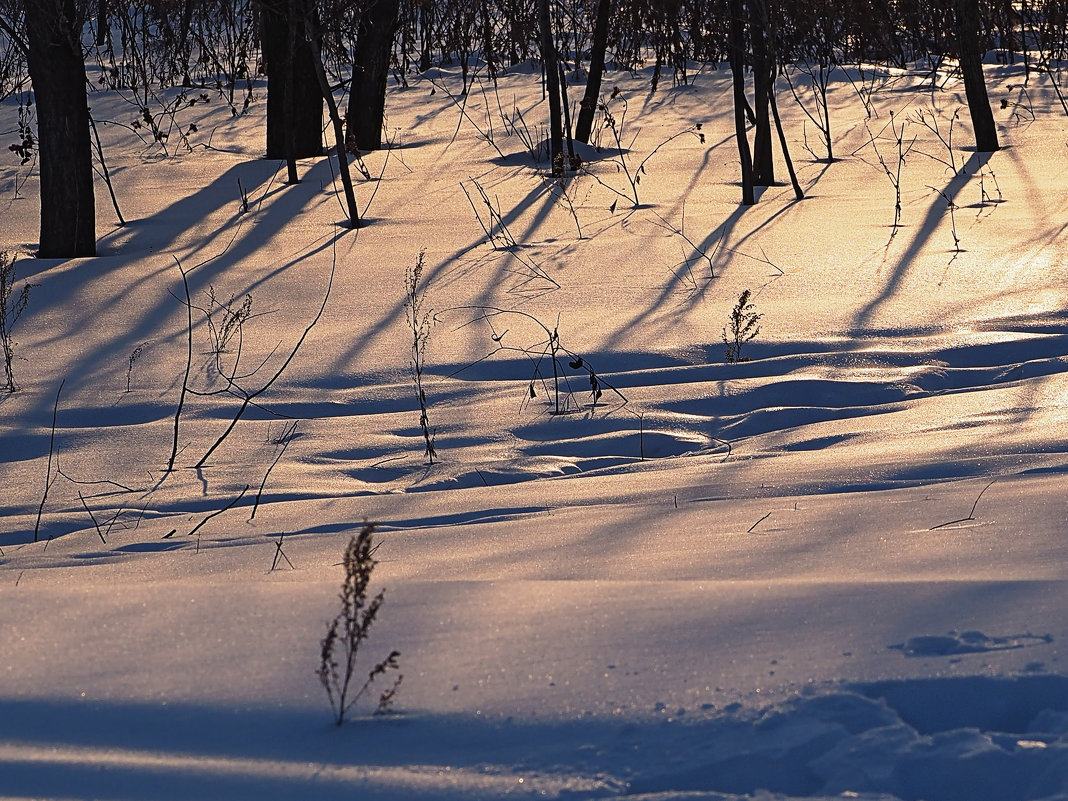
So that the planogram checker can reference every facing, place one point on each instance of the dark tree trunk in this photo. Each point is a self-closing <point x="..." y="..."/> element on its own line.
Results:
<point x="572" y="159"/>
<point x="552" y="87"/>
<point x="426" y="33"/>
<point x="103" y="23"/>
<point x="971" y="66"/>
<point x="588" y="106"/>
<point x="515" y="37"/>
<point x="736" y="45"/>
<point x="336" y="123"/>
<point x="370" y="73"/>
<point x="294" y="102"/>
<point x="488" y="53"/>
<point x="763" y="86"/>
<point x="68" y="205"/>
<point x="185" y="40"/>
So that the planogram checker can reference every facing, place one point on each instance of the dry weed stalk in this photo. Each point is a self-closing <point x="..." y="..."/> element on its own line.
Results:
<point x="349" y="630"/>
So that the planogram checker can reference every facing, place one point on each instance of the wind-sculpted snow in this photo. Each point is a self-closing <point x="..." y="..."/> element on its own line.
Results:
<point x="964" y="739"/>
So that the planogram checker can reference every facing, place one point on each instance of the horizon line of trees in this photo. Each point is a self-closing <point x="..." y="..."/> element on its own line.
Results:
<point x="310" y="48"/>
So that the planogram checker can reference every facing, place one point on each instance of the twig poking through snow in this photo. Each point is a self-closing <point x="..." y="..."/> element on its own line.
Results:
<point x="971" y="514"/>
<point x="757" y="523"/>
<point x="220" y="511"/>
<point x="48" y="470"/>
<point x="278" y="552"/>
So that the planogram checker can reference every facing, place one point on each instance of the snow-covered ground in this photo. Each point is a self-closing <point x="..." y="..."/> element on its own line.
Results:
<point x="835" y="570"/>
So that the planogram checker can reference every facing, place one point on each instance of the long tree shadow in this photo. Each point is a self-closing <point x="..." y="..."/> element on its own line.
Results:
<point x="240" y="236"/>
<point x="504" y="272"/>
<point x="936" y="212"/>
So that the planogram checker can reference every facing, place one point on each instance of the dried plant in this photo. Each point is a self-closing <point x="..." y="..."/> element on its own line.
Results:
<point x="614" y="123"/>
<point x="340" y="647"/>
<point x="135" y="354"/>
<point x="563" y="395"/>
<point x="10" y="311"/>
<point x="419" y="322"/>
<point x="226" y="320"/>
<point x="893" y="172"/>
<point x="743" y="326"/>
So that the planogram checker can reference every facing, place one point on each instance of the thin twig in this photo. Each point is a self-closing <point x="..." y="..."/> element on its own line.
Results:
<point x="188" y="364"/>
<point x="287" y="437"/>
<point x="279" y="552"/>
<point x="971" y="514"/>
<point x="757" y="523"/>
<point x="106" y="173"/>
<point x="48" y="473"/>
<point x="92" y="517"/>
<point x="250" y="396"/>
<point x="220" y="511"/>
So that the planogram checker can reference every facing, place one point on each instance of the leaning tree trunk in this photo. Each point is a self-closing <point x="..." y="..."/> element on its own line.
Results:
<point x="971" y="67"/>
<point x="552" y="87"/>
<point x="370" y="72"/>
<point x="588" y="106"/>
<point x="68" y="205"/>
<point x="294" y="102"/>
<point x="736" y="38"/>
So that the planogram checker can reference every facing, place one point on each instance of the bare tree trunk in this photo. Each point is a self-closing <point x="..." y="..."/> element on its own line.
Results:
<point x="68" y="205"/>
<point x="763" y="78"/>
<point x="339" y="133"/>
<point x="773" y="57"/>
<point x="552" y="86"/>
<point x="426" y="31"/>
<point x="488" y="54"/>
<point x="103" y="23"/>
<point x="737" y="50"/>
<point x="971" y="67"/>
<point x="571" y="158"/>
<point x="588" y="106"/>
<point x="798" y="192"/>
<point x="294" y="102"/>
<point x="370" y="73"/>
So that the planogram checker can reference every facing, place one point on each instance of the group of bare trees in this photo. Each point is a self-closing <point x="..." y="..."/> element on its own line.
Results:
<point x="311" y="48"/>
<point x="215" y="42"/>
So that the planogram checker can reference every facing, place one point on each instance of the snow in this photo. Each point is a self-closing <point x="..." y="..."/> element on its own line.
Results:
<point x="836" y="570"/>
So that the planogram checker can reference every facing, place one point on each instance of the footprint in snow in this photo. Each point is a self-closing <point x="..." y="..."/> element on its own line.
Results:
<point x="967" y="642"/>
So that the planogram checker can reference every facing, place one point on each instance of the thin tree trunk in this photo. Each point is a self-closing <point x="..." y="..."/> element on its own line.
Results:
<point x="103" y="23"/>
<point x="574" y="162"/>
<point x="588" y="106"/>
<point x="488" y="55"/>
<point x="763" y="70"/>
<point x="798" y="193"/>
<point x="552" y="87"/>
<point x="426" y="31"/>
<point x="737" y="49"/>
<point x="184" y="37"/>
<point x="289" y="93"/>
<point x="971" y="66"/>
<point x="774" y="59"/>
<point x="335" y="119"/>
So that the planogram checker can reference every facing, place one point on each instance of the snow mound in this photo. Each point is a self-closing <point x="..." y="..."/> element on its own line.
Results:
<point x="971" y="738"/>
